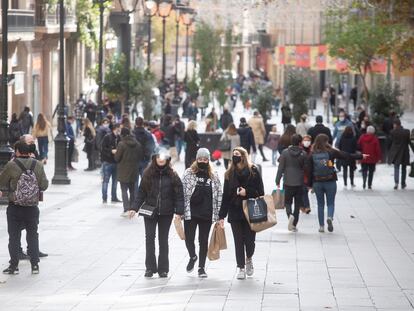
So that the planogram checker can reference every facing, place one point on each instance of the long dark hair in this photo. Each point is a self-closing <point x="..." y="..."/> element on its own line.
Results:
<point x="321" y="144"/>
<point x="152" y="171"/>
<point x="41" y="122"/>
<point x="286" y="138"/>
<point x="348" y="132"/>
<point x="245" y="162"/>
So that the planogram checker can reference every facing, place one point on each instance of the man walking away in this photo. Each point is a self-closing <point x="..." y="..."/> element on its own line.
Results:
<point x="319" y="128"/>
<point x="26" y="120"/>
<point x="147" y="142"/>
<point x="26" y="179"/>
<point x="246" y="136"/>
<point x="291" y="168"/>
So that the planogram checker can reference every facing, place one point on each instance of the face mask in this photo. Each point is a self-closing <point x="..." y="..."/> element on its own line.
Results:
<point x="202" y="165"/>
<point x="306" y="143"/>
<point x="236" y="159"/>
<point x="341" y="118"/>
<point x="363" y="126"/>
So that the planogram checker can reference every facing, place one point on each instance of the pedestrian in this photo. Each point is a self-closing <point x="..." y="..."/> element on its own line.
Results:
<point x="212" y="121"/>
<point x="319" y="128"/>
<point x="42" y="131"/>
<point x="192" y="141"/>
<point x="292" y="168"/>
<point x="25" y="179"/>
<point x="90" y="110"/>
<point x="79" y="113"/>
<point x="101" y="132"/>
<point x="286" y="138"/>
<point x="332" y="98"/>
<point x="15" y="130"/>
<point x="273" y="142"/>
<point x="26" y="120"/>
<point x="259" y="132"/>
<point x="340" y="127"/>
<point x="322" y="176"/>
<point x="129" y="154"/>
<point x="161" y="188"/>
<point x="286" y="115"/>
<point x="325" y="97"/>
<point x="147" y="142"/>
<point x="303" y="126"/>
<point x="246" y="136"/>
<point x="277" y="99"/>
<point x="179" y="138"/>
<point x="354" y="96"/>
<point x="226" y="119"/>
<point x="306" y="146"/>
<point x="202" y="201"/>
<point x="242" y="181"/>
<point x="109" y="167"/>
<point x="232" y="135"/>
<point x="71" y="145"/>
<point x="399" y="153"/>
<point x="369" y="144"/>
<point x="193" y="110"/>
<point x="90" y="135"/>
<point x="348" y="144"/>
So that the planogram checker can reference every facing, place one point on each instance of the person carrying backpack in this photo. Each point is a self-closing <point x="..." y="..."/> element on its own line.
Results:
<point x="147" y="142"/>
<point x="322" y="176"/>
<point x="26" y="179"/>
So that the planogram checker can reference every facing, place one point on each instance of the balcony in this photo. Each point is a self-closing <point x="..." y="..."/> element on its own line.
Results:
<point x="48" y="19"/>
<point x="20" y="25"/>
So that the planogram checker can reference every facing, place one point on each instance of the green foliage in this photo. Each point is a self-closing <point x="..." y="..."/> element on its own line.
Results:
<point x="383" y="100"/>
<point x="141" y="84"/>
<point x="228" y="49"/>
<point x="263" y="101"/>
<point x="87" y="16"/>
<point x="116" y="78"/>
<point x="193" y="88"/>
<point x="299" y="90"/>
<point x="157" y="33"/>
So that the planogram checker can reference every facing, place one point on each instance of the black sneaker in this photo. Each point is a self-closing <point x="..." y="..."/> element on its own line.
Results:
<point x="11" y="270"/>
<point x="163" y="275"/>
<point x="191" y="263"/>
<point x="35" y="269"/>
<point x="148" y="274"/>
<point x="23" y="256"/>
<point x="42" y="255"/>
<point x="202" y="273"/>
<point x="330" y="225"/>
<point x="403" y="186"/>
<point x="104" y="201"/>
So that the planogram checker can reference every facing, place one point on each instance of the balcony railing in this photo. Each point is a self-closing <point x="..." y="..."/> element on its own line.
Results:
<point x="49" y="16"/>
<point x="20" y="20"/>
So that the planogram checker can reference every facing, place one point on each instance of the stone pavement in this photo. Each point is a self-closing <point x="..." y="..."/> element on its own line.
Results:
<point x="96" y="258"/>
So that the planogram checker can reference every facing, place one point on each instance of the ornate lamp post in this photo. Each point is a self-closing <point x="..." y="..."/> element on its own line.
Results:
<point x="61" y="141"/>
<point x="187" y="18"/>
<point x="150" y="9"/>
<point x="164" y="10"/>
<point x="178" y="10"/>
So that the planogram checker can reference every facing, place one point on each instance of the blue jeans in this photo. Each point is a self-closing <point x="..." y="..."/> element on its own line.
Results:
<point x="322" y="189"/>
<point x="109" y="171"/>
<point x="43" y="143"/>
<point x="397" y="174"/>
<point x="305" y="197"/>
<point x="179" y="146"/>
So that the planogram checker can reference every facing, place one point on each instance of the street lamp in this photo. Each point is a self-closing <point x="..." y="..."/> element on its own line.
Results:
<point x="187" y="18"/>
<point x="177" y="34"/>
<point x="164" y="10"/>
<point x="61" y="140"/>
<point x="150" y="9"/>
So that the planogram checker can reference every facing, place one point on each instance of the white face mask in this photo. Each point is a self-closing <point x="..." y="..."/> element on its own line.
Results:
<point x="306" y="143"/>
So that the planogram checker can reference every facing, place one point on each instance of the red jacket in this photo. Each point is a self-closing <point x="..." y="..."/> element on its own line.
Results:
<point x="369" y="144"/>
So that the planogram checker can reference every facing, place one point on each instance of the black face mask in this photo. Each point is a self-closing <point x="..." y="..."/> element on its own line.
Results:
<point x="236" y="159"/>
<point x="161" y="167"/>
<point x="202" y="165"/>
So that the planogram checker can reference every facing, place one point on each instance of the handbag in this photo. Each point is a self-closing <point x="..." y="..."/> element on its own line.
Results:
<point x="279" y="198"/>
<point x="147" y="210"/>
<point x="256" y="210"/>
<point x="412" y="170"/>
<point x="224" y="145"/>
<point x="178" y="224"/>
<point x="271" y="216"/>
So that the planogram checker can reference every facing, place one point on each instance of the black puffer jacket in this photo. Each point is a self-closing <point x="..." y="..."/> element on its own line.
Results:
<point x="164" y="189"/>
<point x="232" y="204"/>
<point x="246" y="138"/>
<point x="348" y="143"/>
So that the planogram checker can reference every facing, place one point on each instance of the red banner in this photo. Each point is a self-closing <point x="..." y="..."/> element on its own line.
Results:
<point x="379" y="65"/>
<point x="281" y="56"/>
<point x="303" y="56"/>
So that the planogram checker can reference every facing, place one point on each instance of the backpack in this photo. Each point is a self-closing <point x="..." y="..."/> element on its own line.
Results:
<point x="323" y="168"/>
<point x="27" y="189"/>
<point x="147" y="143"/>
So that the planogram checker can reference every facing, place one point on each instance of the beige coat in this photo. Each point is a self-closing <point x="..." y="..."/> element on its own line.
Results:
<point x="259" y="131"/>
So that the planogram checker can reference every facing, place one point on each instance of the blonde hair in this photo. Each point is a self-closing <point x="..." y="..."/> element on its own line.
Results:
<point x="245" y="162"/>
<point x="194" y="168"/>
<point x="88" y="124"/>
<point x="192" y="125"/>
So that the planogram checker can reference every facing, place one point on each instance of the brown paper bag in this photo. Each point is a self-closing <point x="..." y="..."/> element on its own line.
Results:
<point x="217" y="242"/>
<point x="178" y="224"/>
<point x="271" y="215"/>
<point x="279" y="198"/>
<point x="221" y="237"/>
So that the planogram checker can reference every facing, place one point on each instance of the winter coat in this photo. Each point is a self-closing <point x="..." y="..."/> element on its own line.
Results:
<point x="340" y="128"/>
<point x="246" y="138"/>
<point x="146" y="140"/>
<point x="128" y="155"/>
<point x="232" y="204"/>
<point x="26" y="122"/>
<point x="369" y="144"/>
<point x="192" y="143"/>
<point x="286" y="115"/>
<point x="109" y="142"/>
<point x="225" y="120"/>
<point x="399" y="153"/>
<point x="234" y="142"/>
<point x="189" y="184"/>
<point x="292" y="163"/>
<point x="258" y="128"/>
<point x="89" y="141"/>
<point x="348" y="144"/>
<point x="320" y="129"/>
<point x="101" y="132"/>
<point x="15" y="131"/>
<point x="165" y="192"/>
<point x="272" y="141"/>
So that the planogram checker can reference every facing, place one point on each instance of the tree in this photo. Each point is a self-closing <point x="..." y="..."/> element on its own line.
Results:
<point x="141" y="84"/>
<point x="116" y="78"/>
<point x="358" y="36"/>
<point x="263" y="101"/>
<point x="299" y="90"/>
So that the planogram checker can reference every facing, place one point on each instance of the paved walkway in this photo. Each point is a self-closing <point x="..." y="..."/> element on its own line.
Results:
<point x="96" y="258"/>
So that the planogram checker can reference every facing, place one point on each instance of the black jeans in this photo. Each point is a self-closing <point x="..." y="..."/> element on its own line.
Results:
<point x="244" y="241"/>
<point x="127" y="200"/>
<point x="351" y="173"/>
<point x="71" y="149"/>
<point x="27" y="217"/>
<point x="226" y="163"/>
<point x="260" y="147"/>
<point x="368" y="170"/>
<point x="190" y="227"/>
<point x="296" y="193"/>
<point x="164" y="224"/>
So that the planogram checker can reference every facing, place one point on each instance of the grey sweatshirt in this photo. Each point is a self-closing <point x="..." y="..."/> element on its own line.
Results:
<point x="292" y="163"/>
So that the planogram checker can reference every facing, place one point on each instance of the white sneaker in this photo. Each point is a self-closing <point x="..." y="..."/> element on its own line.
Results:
<point x="249" y="267"/>
<point x="290" y="224"/>
<point x="294" y="229"/>
<point x="321" y="229"/>
<point x="124" y="214"/>
<point x="241" y="274"/>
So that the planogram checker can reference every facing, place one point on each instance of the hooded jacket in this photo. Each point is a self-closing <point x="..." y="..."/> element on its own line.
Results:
<point x="246" y="138"/>
<point x="369" y="144"/>
<point x="292" y="164"/>
<point x="128" y="155"/>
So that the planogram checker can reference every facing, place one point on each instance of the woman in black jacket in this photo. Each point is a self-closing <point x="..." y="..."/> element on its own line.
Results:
<point x="192" y="141"/>
<point x="90" y="135"/>
<point x="242" y="181"/>
<point x="348" y="144"/>
<point x="160" y="187"/>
